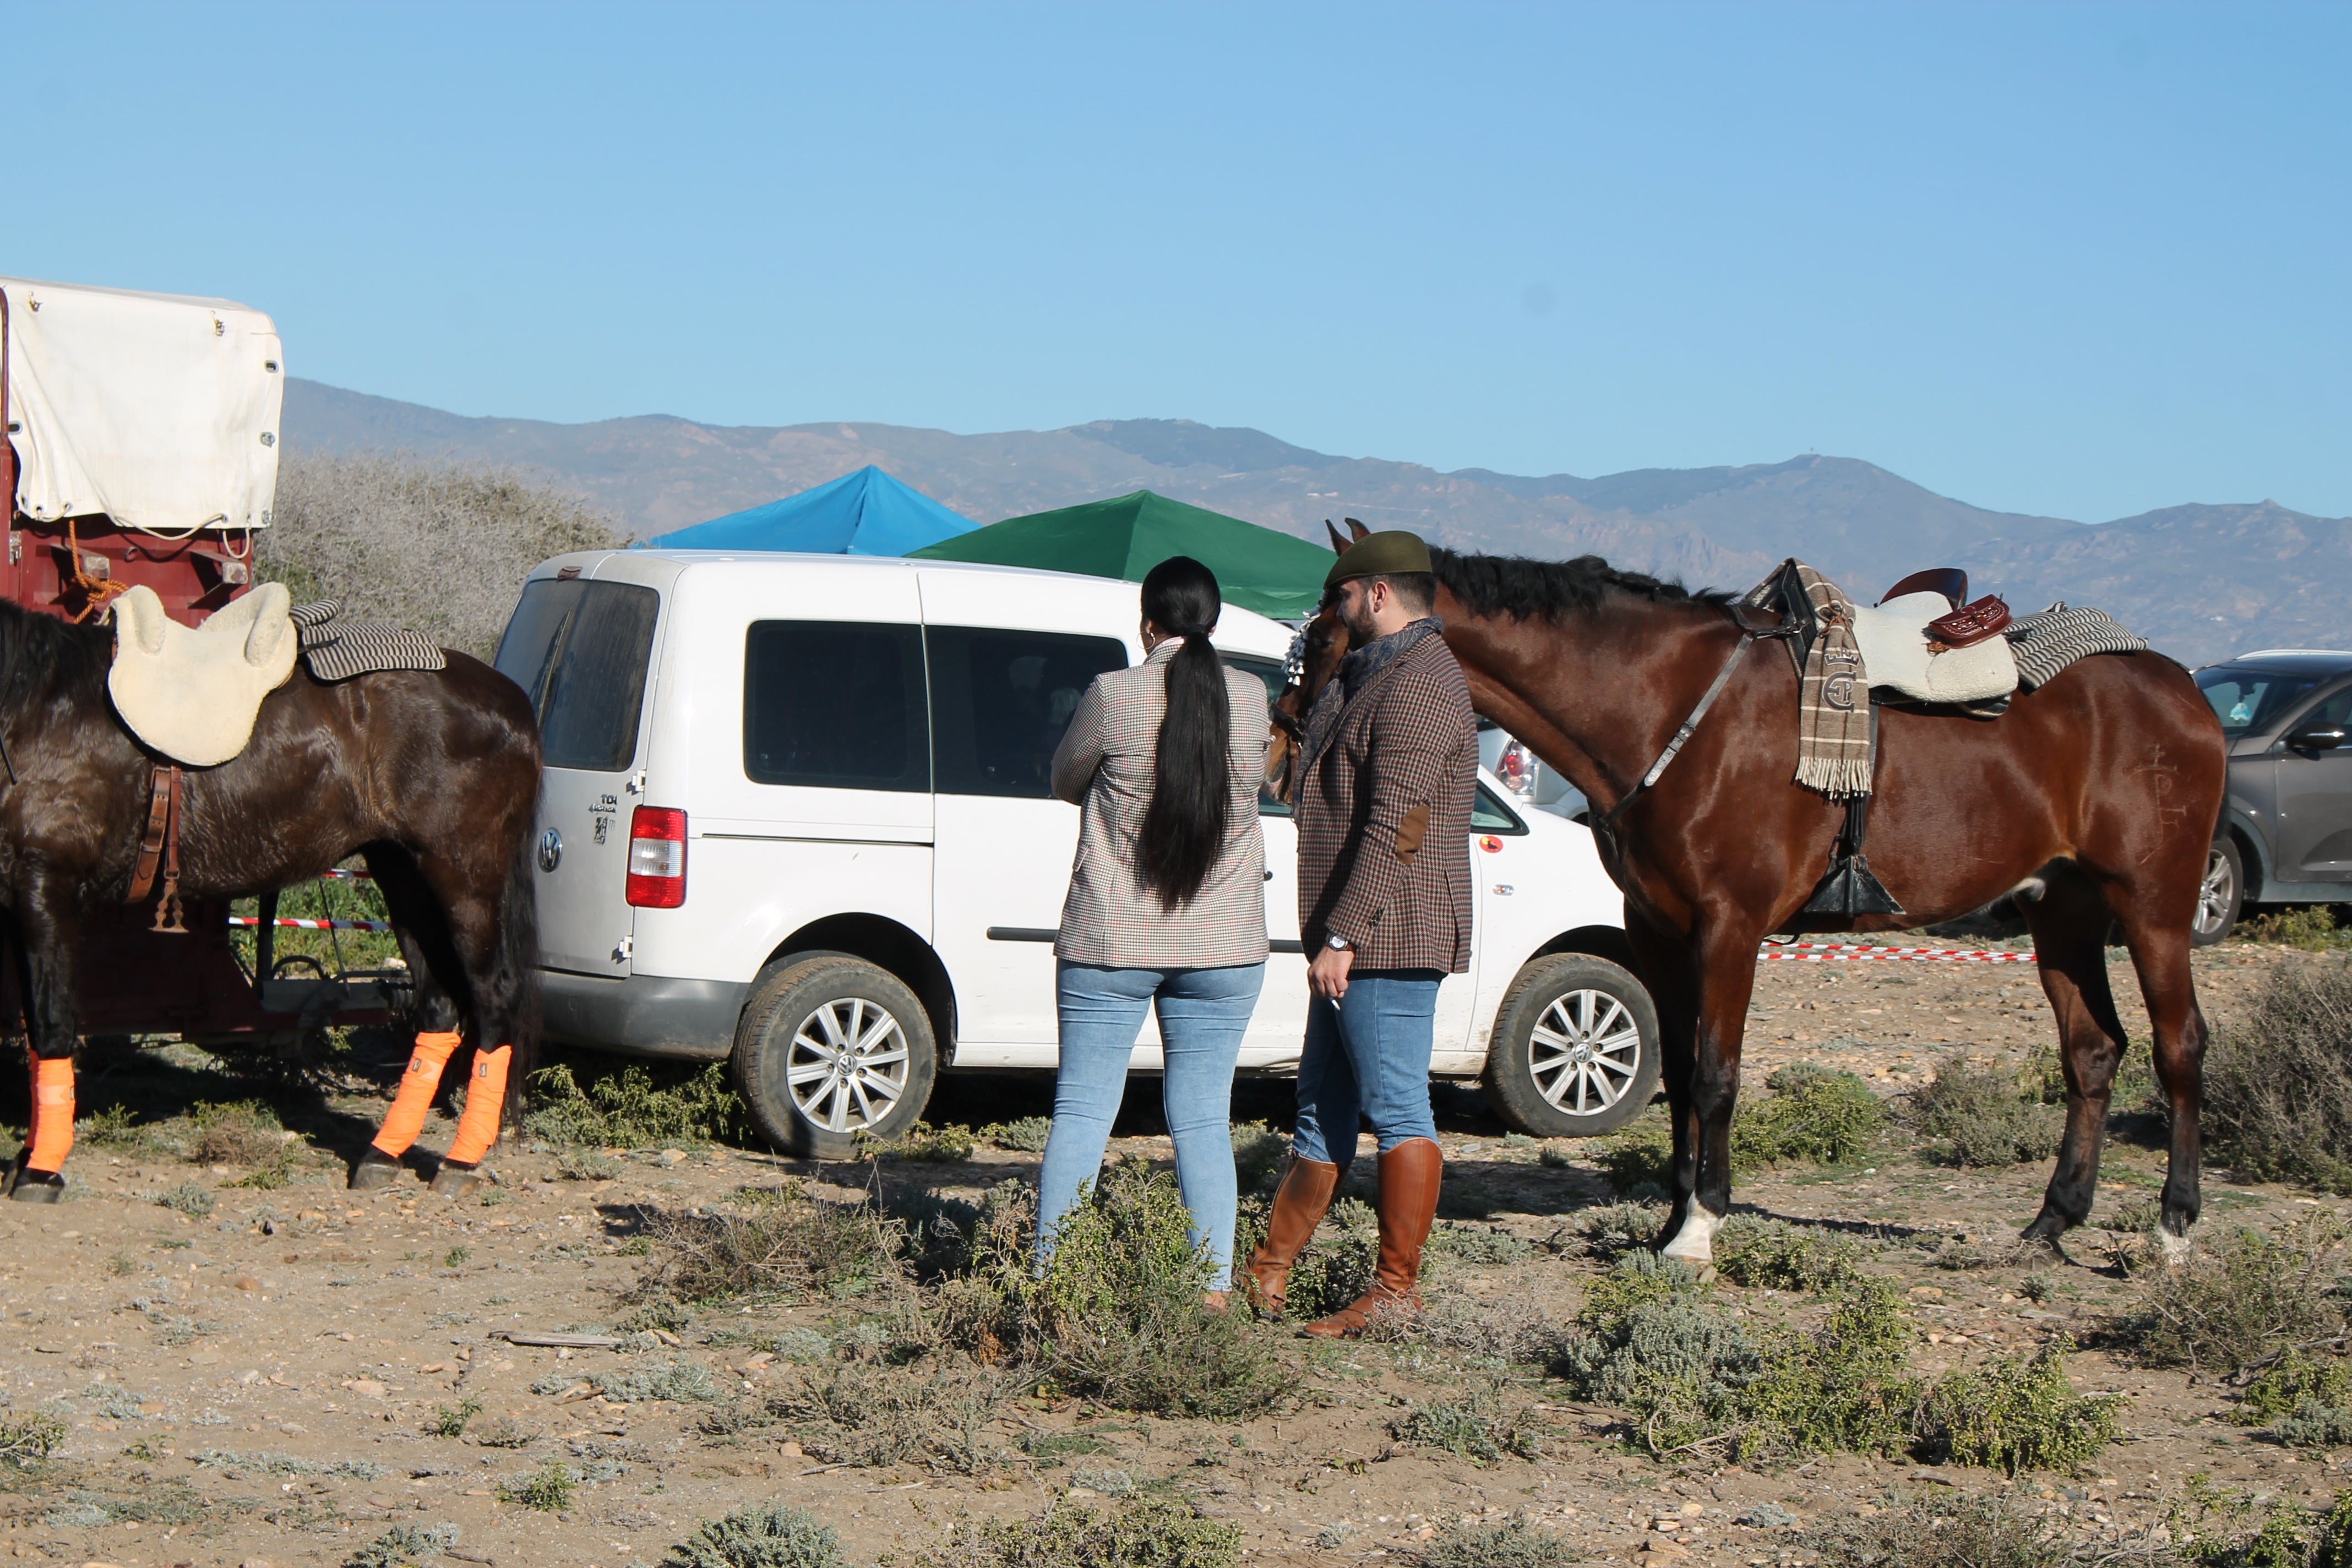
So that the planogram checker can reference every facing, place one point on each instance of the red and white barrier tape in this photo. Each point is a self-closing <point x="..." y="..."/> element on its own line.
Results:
<point x="1859" y="952"/>
<point x="314" y="925"/>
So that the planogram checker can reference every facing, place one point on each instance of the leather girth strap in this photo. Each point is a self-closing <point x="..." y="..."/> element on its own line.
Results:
<point x="161" y="847"/>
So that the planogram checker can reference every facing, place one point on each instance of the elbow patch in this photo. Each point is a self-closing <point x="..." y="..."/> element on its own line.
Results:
<point x="1411" y="831"/>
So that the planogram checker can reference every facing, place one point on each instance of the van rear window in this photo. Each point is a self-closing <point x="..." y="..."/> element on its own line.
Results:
<point x="1000" y="702"/>
<point x="580" y="648"/>
<point x="834" y="705"/>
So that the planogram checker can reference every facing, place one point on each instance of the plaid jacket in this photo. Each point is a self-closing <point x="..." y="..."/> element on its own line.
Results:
<point x="1105" y="766"/>
<point x="1384" y="820"/>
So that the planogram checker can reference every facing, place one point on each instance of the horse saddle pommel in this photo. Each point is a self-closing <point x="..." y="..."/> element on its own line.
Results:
<point x="193" y="692"/>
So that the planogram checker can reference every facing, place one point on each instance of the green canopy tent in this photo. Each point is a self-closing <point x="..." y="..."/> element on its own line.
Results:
<point x="1259" y="569"/>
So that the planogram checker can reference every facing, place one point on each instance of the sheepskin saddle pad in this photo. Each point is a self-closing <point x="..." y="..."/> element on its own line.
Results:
<point x="1896" y="653"/>
<point x="193" y="692"/>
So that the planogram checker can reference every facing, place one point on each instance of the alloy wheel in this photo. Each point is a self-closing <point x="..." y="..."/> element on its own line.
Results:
<point x="1584" y="1051"/>
<point x="2215" y="894"/>
<point x="849" y="1063"/>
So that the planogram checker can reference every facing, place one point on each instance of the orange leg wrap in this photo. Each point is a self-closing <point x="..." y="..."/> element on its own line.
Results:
<point x="405" y="1120"/>
<point x="485" y="1097"/>
<point x="53" y="1113"/>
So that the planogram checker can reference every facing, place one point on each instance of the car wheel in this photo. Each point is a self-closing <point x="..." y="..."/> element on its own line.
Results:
<point x="1575" y="1048"/>
<point x="2219" y="896"/>
<point x="830" y="1046"/>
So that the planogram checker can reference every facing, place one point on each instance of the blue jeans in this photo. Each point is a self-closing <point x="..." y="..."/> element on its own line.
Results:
<point x="1367" y="1058"/>
<point x="1203" y="1012"/>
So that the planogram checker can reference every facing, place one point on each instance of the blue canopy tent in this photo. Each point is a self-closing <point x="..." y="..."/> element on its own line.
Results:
<point x="864" y="513"/>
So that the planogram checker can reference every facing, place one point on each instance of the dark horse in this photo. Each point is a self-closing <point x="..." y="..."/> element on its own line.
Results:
<point x="2093" y="801"/>
<point x="433" y="776"/>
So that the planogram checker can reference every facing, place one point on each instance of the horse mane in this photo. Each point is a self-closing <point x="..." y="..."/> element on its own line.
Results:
<point x="42" y="658"/>
<point x="1517" y="586"/>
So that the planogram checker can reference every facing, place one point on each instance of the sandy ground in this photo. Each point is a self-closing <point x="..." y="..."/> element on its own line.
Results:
<point x="255" y="1386"/>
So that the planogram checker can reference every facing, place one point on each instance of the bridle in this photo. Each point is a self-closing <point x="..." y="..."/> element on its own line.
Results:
<point x="1604" y="823"/>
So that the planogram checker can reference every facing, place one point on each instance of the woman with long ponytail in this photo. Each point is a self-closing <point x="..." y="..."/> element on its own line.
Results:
<point x="1167" y="904"/>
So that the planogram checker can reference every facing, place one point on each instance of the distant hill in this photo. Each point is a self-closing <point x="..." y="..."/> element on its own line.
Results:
<point x="2202" y="582"/>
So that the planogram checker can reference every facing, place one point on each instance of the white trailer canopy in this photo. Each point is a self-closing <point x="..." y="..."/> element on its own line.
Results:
<point x="158" y="411"/>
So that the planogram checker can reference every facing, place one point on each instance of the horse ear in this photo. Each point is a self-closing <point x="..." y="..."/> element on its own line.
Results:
<point x="1357" y="531"/>
<point x="140" y="614"/>
<point x="1339" y="545"/>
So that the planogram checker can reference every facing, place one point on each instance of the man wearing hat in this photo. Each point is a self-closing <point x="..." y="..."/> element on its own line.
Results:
<point x="1387" y="776"/>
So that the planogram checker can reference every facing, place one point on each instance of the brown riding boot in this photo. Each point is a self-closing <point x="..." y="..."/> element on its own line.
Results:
<point x="1410" y="1175"/>
<point x="1299" y="1205"/>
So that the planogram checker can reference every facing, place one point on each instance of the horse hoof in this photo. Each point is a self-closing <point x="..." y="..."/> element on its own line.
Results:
<point x="374" y="1170"/>
<point x="2174" y="1249"/>
<point x="1693" y="1243"/>
<point x="37" y="1187"/>
<point x="455" y="1181"/>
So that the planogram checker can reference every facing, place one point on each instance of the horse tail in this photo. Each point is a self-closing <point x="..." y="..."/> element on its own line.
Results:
<point x="514" y="975"/>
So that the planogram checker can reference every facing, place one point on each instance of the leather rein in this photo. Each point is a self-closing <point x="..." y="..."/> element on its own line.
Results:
<point x="1605" y="823"/>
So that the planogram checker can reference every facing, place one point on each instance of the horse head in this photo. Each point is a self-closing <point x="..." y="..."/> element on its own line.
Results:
<point x="1315" y="658"/>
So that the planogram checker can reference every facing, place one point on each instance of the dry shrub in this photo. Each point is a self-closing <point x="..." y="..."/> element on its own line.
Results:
<point x="921" y="1144"/>
<point x="2227" y="1306"/>
<point x="1509" y="1326"/>
<point x="1476" y="1428"/>
<point x="1942" y="1530"/>
<point x="2310" y="927"/>
<point x="632" y="1105"/>
<point x="441" y="548"/>
<point x="1258" y="1154"/>
<point x="2278" y="1082"/>
<point x="796" y="1249"/>
<point x="1984" y="1116"/>
<point x="1515" y="1544"/>
<point x="875" y="1413"/>
<point x="1024" y="1134"/>
<point x="244" y="1133"/>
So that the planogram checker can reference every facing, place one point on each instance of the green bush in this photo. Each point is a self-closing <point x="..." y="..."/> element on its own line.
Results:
<point x="551" y="1489"/>
<point x="1258" y="1154"/>
<point x="406" y="1546"/>
<point x="1984" y="1117"/>
<point x="1612" y="1228"/>
<point x="1648" y="1345"/>
<point x="881" y="1412"/>
<point x="2292" y="1380"/>
<point x="450" y="1420"/>
<point x="1475" y="1428"/>
<point x="1153" y="1531"/>
<point x="2310" y="927"/>
<point x="1024" y="1135"/>
<point x="1119" y="1315"/>
<point x="1336" y="1266"/>
<point x="1774" y="1254"/>
<point x="2278" y="1080"/>
<point x="30" y="1439"/>
<point x="628" y="1108"/>
<point x="768" y="1535"/>
<point x="2018" y="1413"/>
<point x="187" y="1198"/>
<point x="1811" y="1115"/>
<point x="2240" y="1300"/>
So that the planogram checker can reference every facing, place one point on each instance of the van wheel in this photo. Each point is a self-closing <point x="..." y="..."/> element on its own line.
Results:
<point x="2219" y="896"/>
<point x="831" y="1046"/>
<point x="1575" y="1048"/>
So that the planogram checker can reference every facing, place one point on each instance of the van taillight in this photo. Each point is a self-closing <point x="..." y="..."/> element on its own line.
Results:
<point x="657" y="858"/>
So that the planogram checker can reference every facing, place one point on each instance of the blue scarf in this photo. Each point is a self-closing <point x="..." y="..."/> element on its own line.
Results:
<point x="1356" y="672"/>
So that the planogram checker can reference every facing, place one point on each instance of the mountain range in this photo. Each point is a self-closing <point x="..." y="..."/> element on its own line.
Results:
<point x="2200" y="582"/>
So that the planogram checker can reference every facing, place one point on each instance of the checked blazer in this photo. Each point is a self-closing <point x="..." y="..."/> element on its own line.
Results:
<point x="1384" y="820"/>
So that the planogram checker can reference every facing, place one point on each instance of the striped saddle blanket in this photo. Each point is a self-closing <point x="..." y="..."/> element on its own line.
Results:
<point x="337" y="649"/>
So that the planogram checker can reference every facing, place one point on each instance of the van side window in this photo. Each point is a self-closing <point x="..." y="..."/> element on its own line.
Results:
<point x="834" y="705"/>
<point x="579" y="649"/>
<point x="1268" y="671"/>
<point x="1000" y="702"/>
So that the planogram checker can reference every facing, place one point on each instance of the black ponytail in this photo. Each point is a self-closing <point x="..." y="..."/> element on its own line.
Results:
<point x="1191" y="792"/>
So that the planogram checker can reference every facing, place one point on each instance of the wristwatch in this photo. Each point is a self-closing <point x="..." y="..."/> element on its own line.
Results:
<point x="1338" y="943"/>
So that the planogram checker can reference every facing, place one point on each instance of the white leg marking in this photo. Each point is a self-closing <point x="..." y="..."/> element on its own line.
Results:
<point x="1694" y="1243"/>
<point x="2176" y="1248"/>
<point x="2030" y="890"/>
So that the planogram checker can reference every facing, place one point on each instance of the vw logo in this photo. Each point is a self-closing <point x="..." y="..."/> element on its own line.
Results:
<point x="551" y="850"/>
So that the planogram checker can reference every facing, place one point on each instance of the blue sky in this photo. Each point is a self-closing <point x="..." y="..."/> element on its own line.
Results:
<point x="2082" y="260"/>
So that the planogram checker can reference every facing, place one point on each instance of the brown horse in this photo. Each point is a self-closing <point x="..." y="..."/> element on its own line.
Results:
<point x="2092" y="801"/>
<point x="433" y="776"/>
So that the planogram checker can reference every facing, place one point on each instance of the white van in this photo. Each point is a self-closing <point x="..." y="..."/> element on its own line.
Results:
<point x="796" y="813"/>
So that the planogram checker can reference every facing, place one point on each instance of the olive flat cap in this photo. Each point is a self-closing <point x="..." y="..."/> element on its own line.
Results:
<point x="1390" y="553"/>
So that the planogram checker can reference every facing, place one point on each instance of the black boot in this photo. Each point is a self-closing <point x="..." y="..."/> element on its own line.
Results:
<point x="375" y="1169"/>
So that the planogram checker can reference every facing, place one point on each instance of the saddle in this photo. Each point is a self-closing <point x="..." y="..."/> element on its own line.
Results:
<point x="1927" y="642"/>
<point x="193" y="692"/>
